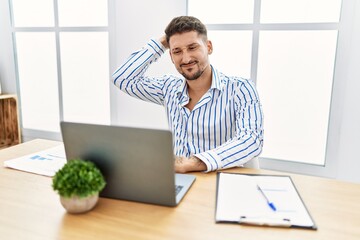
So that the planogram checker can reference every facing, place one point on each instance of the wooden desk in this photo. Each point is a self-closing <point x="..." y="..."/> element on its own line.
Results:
<point x="30" y="209"/>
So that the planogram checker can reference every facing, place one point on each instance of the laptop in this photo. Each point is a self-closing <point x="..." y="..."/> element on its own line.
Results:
<point x="137" y="163"/>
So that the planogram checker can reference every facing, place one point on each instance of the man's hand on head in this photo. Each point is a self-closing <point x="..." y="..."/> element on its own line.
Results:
<point x="191" y="164"/>
<point x="164" y="42"/>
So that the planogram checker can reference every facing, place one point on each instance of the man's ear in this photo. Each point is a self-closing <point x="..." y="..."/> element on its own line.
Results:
<point x="209" y="47"/>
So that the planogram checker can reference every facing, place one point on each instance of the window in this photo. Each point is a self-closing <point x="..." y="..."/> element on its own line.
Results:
<point x="62" y="61"/>
<point x="287" y="47"/>
<point x="238" y="43"/>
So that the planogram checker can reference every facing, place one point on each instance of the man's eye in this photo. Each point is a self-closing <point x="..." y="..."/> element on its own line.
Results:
<point x="176" y="52"/>
<point x="192" y="47"/>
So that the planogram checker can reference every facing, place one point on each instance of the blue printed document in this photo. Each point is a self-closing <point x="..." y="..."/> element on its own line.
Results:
<point x="46" y="162"/>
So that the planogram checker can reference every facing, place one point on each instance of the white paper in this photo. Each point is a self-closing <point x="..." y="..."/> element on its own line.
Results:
<point x="46" y="162"/>
<point x="238" y="196"/>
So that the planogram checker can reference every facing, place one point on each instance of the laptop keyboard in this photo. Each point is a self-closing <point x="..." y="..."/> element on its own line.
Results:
<point x="178" y="189"/>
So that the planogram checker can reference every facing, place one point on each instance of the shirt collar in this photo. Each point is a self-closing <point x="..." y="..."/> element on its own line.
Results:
<point x="216" y="79"/>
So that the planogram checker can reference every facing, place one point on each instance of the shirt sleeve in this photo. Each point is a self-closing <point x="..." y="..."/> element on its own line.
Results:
<point x="130" y="76"/>
<point x="248" y="140"/>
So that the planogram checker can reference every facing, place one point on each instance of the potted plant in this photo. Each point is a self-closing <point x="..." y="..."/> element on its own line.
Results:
<point x="78" y="183"/>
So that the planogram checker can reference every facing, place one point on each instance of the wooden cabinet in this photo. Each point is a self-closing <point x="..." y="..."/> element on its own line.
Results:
<point x="9" y="121"/>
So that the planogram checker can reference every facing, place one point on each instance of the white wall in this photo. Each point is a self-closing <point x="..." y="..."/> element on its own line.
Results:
<point x="136" y="23"/>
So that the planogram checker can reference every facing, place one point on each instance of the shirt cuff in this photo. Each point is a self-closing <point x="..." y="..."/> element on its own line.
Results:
<point x="156" y="46"/>
<point x="211" y="160"/>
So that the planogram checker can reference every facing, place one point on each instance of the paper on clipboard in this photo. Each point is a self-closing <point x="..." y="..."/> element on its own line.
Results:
<point x="239" y="200"/>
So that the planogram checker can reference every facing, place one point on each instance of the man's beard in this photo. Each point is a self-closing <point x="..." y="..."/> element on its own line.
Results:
<point x="193" y="76"/>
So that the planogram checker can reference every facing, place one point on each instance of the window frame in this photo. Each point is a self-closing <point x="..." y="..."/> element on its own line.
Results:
<point x="28" y="133"/>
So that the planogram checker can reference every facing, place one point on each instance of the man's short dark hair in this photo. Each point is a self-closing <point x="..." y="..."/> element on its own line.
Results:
<point x="184" y="24"/>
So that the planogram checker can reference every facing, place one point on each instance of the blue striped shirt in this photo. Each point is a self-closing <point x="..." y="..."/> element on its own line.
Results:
<point x="224" y="129"/>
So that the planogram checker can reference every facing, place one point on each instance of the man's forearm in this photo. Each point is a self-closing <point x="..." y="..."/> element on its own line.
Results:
<point x="191" y="164"/>
<point x="138" y="61"/>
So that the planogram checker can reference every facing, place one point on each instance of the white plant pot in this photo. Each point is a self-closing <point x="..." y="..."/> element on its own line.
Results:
<point x="79" y="205"/>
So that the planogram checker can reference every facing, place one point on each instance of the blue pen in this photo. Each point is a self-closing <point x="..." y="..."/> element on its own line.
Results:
<point x="271" y="205"/>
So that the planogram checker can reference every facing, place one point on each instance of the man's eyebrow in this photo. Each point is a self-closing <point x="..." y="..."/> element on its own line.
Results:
<point x="189" y="45"/>
<point x="192" y="44"/>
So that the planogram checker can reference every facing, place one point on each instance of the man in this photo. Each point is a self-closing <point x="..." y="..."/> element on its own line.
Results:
<point x="216" y="120"/>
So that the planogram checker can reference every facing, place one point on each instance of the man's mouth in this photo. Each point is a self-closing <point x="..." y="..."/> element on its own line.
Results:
<point x="190" y="64"/>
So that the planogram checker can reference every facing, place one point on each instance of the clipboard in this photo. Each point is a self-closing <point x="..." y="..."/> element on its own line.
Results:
<point x="262" y="200"/>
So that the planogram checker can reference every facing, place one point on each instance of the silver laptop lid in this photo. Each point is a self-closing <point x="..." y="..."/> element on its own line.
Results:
<point x="138" y="164"/>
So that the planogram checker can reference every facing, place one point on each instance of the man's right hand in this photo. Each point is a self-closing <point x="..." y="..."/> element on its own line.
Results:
<point x="164" y="42"/>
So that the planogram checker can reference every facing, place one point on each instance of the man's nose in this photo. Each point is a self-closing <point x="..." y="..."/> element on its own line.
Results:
<point x="186" y="57"/>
